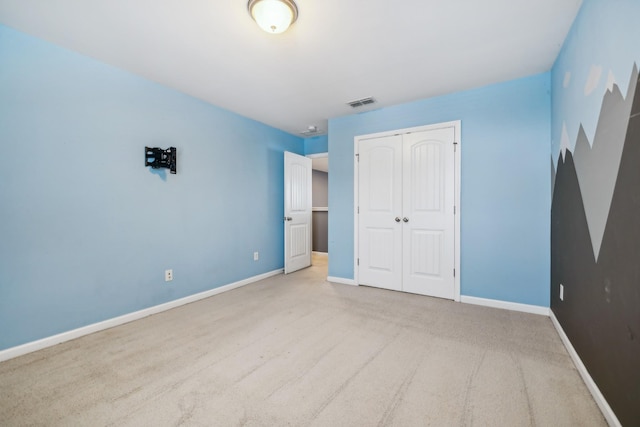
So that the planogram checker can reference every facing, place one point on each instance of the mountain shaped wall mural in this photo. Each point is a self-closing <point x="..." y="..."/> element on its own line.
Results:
<point x="600" y="312"/>
<point x="597" y="164"/>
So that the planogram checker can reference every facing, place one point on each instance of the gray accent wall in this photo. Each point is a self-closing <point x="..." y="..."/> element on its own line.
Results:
<point x="320" y="183"/>
<point x="320" y="231"/>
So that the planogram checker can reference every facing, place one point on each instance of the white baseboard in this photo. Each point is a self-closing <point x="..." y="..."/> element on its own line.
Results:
<point x="30" y="347"/>
<point x="514" y="306"/>
<point x="608" y="413"/>
<point x="341" y="280"/>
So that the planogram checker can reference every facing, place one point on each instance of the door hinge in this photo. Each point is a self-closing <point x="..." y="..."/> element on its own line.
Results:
<point x="358" y="157"/>
<point x="358" y="261"/>
<point x="455" y="146"/>
<point x="454" y="210"/>
<point x="454" y="272"/>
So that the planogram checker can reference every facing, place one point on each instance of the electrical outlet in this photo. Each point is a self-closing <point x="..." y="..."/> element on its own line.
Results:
<point x="168" y="275"/>
<point x="256" y="256"/>
<point x="561" y="292"/>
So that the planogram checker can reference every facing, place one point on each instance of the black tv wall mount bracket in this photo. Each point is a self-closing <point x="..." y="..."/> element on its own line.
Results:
<point x="160" y="158"/>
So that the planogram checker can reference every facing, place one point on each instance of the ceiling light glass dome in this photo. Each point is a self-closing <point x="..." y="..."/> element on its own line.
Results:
<point x="273" y="16"/>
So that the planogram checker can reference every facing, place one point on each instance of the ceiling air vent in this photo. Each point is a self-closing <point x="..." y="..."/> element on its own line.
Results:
<point x="361" y="102"/>
<point x="312" y="131"/>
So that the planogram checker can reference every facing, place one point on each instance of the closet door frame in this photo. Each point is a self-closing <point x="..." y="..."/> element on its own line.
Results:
<point x="456" y="125"/>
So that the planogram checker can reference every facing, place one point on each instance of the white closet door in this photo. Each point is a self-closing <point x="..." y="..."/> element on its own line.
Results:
<point x="428" y="217"/>
<point x="406" y="220"/>
<point x="380" y="203"/>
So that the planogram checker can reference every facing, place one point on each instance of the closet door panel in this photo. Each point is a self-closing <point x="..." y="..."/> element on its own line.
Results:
<point x="380" y="203"/>
<point x="428" y="218"/>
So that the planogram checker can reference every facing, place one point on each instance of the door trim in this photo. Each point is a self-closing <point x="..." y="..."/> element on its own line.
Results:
<point x="456" y="125"/>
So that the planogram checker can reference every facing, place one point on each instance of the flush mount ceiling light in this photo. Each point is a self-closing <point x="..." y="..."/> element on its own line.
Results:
<point x="273" y="16"/>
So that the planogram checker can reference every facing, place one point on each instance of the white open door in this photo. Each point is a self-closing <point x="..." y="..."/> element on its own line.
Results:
<point x="297" y="212"/>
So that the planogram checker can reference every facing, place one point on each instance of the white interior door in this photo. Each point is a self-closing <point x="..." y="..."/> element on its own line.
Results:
<point x="428" y="217"/>
<point x="297" y="212"/>
<point x="380" y="206"/>
<point x="406" y="218"/>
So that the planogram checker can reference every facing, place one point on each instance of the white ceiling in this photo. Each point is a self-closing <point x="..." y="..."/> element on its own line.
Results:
<point x="337" y="51"/>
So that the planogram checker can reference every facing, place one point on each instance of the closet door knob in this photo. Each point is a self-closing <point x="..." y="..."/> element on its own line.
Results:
<point x="397" y="219"/>
<point x="288" y="218"/>
<point x="405" y="219"/>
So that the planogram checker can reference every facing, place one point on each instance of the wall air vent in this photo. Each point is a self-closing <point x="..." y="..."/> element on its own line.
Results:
<point x="361" y="102"/>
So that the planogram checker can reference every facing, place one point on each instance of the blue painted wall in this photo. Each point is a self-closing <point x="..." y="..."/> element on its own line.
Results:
<point x="505" y="192"/>
<point x="87" y="231"/>
<point x="316" y="144"/>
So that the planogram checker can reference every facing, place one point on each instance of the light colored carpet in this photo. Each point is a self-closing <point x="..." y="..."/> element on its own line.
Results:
<point x="296" y="350"/>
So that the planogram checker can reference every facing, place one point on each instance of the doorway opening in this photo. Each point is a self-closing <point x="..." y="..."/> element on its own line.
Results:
<point x="320" y="208"/>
